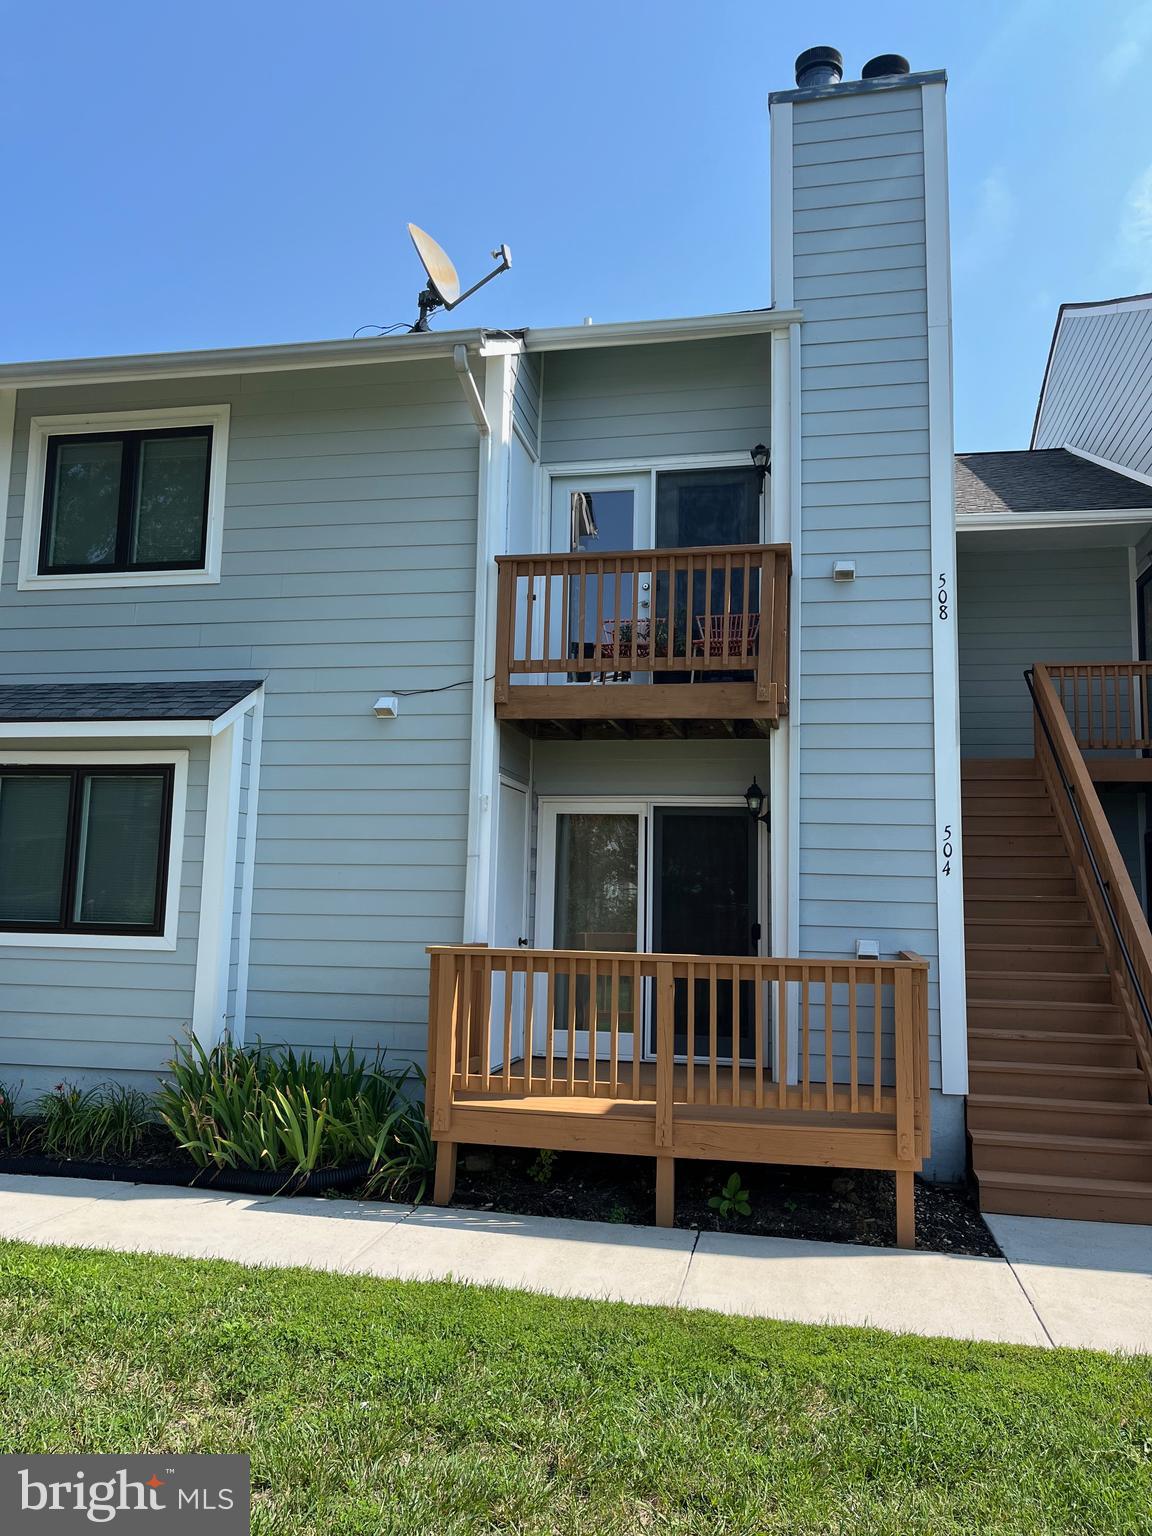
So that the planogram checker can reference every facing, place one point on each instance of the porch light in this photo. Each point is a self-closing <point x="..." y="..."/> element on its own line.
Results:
<point x="761" y="460"/>
<point x="755" y="799"/>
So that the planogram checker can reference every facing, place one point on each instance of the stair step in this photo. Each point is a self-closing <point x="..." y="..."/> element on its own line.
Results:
<point x="1024" y="909"/>
<point x="1050" y="986"/>
<point x="1094" y="1157"/>
<point x="1008" y="844"/>
<point x="996" y="884"/>
<point x="1004" y="807"/>
<point x="1044" y="1014"/>
<point x="975" y="769"/>
<point x="1060" y="1047"/>
<point x="1054" y="1080"/>
<point x="997" y="861"/>
<point x="1068" y="1117"/>
<point x="1040" y="959"/>
<point x="1036" y="1194"/>
<point x="1024" y="931"/>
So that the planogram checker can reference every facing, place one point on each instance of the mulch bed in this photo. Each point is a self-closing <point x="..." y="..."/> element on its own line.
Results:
<point x="821" y="1204"/>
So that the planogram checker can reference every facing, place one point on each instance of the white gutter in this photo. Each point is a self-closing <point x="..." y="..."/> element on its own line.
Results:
<point x="997" y="522"/>
<point x="285" y="356"/>
<point x="266" y="359"/>
<point x="471" y="393"/>
<point x="752" y="322"/>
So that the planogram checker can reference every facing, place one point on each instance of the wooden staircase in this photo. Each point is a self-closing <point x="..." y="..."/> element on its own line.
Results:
<point x="1058" y="1112"/>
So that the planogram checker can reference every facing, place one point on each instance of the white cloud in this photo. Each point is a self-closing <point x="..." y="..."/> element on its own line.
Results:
<point x="1136" y="223"/>
<point x="1132" y="45"/>
<point x="990" y="227"/>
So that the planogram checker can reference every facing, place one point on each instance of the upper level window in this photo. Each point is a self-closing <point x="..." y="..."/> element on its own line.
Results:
<point x="84" y="849"/>
<point x="130" y="501"/>
<point x="118" y="500"/>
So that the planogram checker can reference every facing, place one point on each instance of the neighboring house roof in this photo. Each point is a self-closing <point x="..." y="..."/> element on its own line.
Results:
<point x="1126" y="301"/>
<point x="1042" y="480"/>
<point x="122" y="701"/>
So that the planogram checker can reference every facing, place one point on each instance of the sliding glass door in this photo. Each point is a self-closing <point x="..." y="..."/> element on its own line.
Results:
<point x="626" y="876"/>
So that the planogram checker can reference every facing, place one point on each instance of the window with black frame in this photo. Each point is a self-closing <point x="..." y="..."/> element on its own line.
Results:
<point x="84" y="849"/>
<point x="707" y="507"/>
<point x="126" y="501"/>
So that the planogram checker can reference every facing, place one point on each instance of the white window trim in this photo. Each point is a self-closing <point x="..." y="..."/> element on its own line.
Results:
<point x="41" y="428"/>
<point x="79" y="758"/>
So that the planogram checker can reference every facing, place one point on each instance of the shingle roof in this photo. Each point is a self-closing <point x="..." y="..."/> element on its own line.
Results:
<point x="122" y="701"/>
<point x="1042" y="480"/>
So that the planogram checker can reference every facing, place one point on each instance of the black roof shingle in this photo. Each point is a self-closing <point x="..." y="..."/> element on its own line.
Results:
<point x="122" y="701"/>
<point x="1043" y="480"/>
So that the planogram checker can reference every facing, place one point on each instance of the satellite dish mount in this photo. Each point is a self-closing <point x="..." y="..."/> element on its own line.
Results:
<point x="443" y="287"/>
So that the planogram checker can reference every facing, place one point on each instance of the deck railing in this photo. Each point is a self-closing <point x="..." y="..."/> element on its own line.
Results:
<point x="661" y="616"/>
<point x="1107" y="702"/>
<point x="1103" y="876"/>
<point x="668" y="1038"/>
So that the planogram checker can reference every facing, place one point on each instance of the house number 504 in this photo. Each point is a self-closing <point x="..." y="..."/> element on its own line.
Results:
<point x="946" y="850"/>
<point x="942" y="595"/>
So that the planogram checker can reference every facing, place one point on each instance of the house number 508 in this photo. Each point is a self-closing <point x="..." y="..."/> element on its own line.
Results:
<point x="942" y="595"/>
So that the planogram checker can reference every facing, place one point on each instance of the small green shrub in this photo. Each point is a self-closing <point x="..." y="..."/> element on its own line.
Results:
<point x="733" y="1199"/>
<point x="285" y="1110"/>
<point x="543" y="1168"/>
<point x="97" y="1123"/>
<point x="10" y="1121"/>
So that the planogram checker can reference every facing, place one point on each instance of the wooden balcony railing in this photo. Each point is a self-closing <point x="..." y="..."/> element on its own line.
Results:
<point x="1117" y="915"/>
<point x="696" y="633"/>
<point x="1107" y="702"/>
<point x="704" y="1056"/>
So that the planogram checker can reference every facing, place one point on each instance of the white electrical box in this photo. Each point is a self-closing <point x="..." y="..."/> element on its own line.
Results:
<point x="867" y="949"/>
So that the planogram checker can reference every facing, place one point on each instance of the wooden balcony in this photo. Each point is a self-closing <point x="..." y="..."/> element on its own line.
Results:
<point x="644" y="640"/>
<point x="633" y="1054"/>
<point x="1108" y="706"/>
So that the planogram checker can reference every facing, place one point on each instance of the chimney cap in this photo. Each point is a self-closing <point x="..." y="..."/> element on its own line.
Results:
<point x="819" y="66"/>
<point x="885" y="64"/>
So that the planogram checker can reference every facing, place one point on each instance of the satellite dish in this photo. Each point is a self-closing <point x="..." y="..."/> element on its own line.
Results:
<point x="442" y="275"/>
<point x="443" y="290"/>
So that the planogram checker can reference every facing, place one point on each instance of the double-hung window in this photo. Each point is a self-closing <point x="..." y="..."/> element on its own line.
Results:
<point x="120" y="500"/>
<point x="84" y="849"/>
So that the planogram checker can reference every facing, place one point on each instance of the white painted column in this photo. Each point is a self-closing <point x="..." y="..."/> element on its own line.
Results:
<point x="218" y="884"/>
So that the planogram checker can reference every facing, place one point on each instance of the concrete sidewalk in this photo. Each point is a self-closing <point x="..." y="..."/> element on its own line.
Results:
<point x="1084" y="1284"/>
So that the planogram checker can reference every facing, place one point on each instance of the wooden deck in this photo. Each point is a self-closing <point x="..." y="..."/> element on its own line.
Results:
<point x="832" y="1068"/>
<point x="658" y="636"/>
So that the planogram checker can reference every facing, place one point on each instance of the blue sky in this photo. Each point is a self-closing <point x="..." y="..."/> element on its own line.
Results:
<point x="222" y="174"/>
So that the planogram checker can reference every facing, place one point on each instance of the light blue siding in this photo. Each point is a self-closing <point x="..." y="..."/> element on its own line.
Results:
<point x="1019" y="606"/>
<point x="1099" y="388"/>
<point x="648" y="402"/>
<point x="526" y="398"/>
<point x="867" y="865"/>
<point x="348" y="571"/>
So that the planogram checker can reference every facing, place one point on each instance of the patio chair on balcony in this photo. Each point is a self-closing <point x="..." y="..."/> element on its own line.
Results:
<point x="723" y="635"/>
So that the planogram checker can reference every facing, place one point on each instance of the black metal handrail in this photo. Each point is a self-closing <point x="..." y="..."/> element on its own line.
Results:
<point x="1103" y="884"/>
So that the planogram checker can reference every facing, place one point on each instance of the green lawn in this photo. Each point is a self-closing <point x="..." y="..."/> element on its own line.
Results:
<point x="433" y="1410"/>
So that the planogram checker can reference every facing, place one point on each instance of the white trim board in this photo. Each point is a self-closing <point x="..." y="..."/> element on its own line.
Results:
<point x="1003" y="522"/>
<point x="291" y="356"/>
<point x="1117" y="469"/>
<point x="126" y="730"/>
<point x="7" y="444"/>
<point x="248" y="872"/>
<point x="41" y="428"/>
<point x="945" y="665"/>
<point x="217" y="886"/>
<point x="178" y="760"/>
